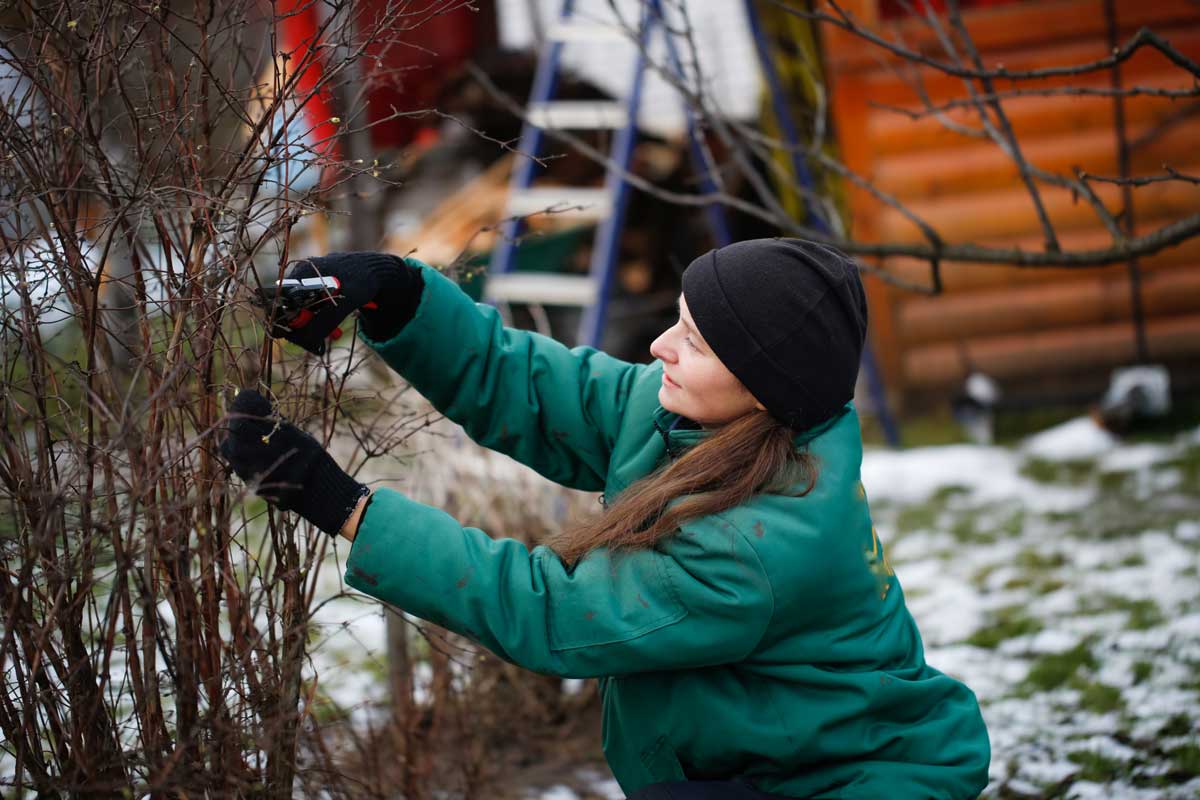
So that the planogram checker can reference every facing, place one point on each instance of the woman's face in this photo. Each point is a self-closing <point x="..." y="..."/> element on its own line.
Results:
<point x="696" y="384"/>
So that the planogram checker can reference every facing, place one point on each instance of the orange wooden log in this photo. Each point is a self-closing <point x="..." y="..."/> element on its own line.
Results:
<point x="888" y="86"/>
<point x="1024" y="356"/>
<point x="1019" y="25"/>
<point x="1089" y="302"/>
<point x="966" y="276"/>
<point x="1010" y="212"/>
<point x="979" y="167"/>
<point x="1031" y="115"/>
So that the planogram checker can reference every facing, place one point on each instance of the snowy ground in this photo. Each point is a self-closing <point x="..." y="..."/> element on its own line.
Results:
<point x="1057" y="578"/>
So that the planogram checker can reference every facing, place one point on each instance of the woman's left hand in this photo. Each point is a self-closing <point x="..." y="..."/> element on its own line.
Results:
<point x="286" y="466"/>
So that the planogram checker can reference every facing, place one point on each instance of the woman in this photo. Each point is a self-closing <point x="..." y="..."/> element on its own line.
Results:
<point x="733" y="598"/>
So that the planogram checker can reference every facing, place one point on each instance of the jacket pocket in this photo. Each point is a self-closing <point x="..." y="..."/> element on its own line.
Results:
<point x="661" y="763"/>
<point x="613" y="599"/>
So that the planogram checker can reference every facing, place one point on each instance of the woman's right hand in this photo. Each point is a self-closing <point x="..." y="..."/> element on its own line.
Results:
<point x="384" y="284"/>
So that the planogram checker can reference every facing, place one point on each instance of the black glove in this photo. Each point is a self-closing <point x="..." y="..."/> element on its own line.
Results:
<point x="384" y="286"/>
<point x="287" y="466"/>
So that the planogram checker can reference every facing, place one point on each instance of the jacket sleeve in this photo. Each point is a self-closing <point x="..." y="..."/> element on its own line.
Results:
<point x="701" y="599"/>
<point x="554" y="409"/>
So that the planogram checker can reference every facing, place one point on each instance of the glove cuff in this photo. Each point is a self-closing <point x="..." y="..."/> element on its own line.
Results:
<point x="400" y="289"/>
<point x="330" y="495"/>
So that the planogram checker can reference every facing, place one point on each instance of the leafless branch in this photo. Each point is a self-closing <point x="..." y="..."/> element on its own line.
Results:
<point x="1143" y="180"/>
<point x="933" y="109"/>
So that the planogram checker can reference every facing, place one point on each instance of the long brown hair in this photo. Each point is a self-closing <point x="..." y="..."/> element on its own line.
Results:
<point x="754" y="453"/>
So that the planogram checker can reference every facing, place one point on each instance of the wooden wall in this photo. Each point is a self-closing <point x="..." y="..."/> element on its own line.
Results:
<point x="1039" y="331"/>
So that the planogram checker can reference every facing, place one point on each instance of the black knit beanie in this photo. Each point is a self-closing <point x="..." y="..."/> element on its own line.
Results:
<point x="788" y="317"/>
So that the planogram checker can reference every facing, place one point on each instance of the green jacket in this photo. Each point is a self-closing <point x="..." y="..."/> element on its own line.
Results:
<point x="770" y="642"/>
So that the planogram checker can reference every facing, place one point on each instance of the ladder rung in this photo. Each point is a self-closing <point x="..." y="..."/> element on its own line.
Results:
<point x="578" y="114"/>
<point x="547" y="288"/>
<point x="566" y="201"/>
<point x="569" y="30"/>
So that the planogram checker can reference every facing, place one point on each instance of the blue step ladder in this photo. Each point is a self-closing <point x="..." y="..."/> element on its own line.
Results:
<point x="605" y="205"/>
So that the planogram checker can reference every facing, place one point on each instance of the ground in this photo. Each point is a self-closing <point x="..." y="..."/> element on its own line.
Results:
<point x="1057" y="578"/>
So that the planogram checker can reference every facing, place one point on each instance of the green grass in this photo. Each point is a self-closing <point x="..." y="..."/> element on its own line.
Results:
<point x="1097" y="697"/>
<point x="1110" y="483"/>
<point x="1075" y="473"/>
<point x="1134" y="560"/>
<point x="1030" y="559"/>
<point x="1095" y="767"/>
<point x="1012" y="426"/>
<point x="1006" y="623"/>
<point x="980" y="578"/>
<point x="917" y="517"/>
<point x="1178" y="725"/>
<point x="917" y="431"/>
<point x="1054" y="669"/>
<point x="1039" y="585"/>
<point x="967" y="528"/>
<point x="1188" y="463"/>
<point x="1186" y="759"/>
<point x="1015" y="524"/>
<point x="1143" y="613"/>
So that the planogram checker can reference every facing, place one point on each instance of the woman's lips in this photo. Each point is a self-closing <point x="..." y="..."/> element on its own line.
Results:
<point x="667" y="380"/>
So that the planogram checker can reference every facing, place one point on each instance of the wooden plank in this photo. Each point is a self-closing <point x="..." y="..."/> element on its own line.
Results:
<point x="1014" y="310"/>
<point x="966" y="276"/>
<point x="896" y="87"/>
<point x="1010" y="212"/>
<point x="1012" y="26"/>
<point x="1022" y="356"/>
<point x="934" y="173"/>
<point x="1032" y="116"/>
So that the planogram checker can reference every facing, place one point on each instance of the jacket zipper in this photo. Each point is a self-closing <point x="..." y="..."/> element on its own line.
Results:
<point x="666" y="440"/>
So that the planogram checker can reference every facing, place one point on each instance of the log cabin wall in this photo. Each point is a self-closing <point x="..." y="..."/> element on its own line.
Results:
<point x="1044" y="334"/>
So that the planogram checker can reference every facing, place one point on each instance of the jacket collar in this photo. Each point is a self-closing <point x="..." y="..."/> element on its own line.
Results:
<point x="680" y="433"/>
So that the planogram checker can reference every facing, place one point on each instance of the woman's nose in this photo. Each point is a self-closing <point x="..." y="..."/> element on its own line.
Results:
<point x="657" y="348"/>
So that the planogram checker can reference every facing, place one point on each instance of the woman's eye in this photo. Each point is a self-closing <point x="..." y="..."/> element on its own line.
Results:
<point x="688" y="339"/>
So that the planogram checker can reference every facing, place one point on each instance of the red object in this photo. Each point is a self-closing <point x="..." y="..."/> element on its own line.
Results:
<point x="406" y="65"/>
<point x="303" y="318"/>
<point x="427" y="137"/>
<point x="298" y="26"/>
<point x="402" y="68"/>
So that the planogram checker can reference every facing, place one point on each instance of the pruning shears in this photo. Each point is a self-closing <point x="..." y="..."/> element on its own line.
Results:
<point x="294" y="300"/>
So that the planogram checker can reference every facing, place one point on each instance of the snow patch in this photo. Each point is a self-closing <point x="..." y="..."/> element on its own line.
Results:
<point x="1074" y="440"/>
<point x="987" y="474"/>
<point x="1134" y="457"/>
